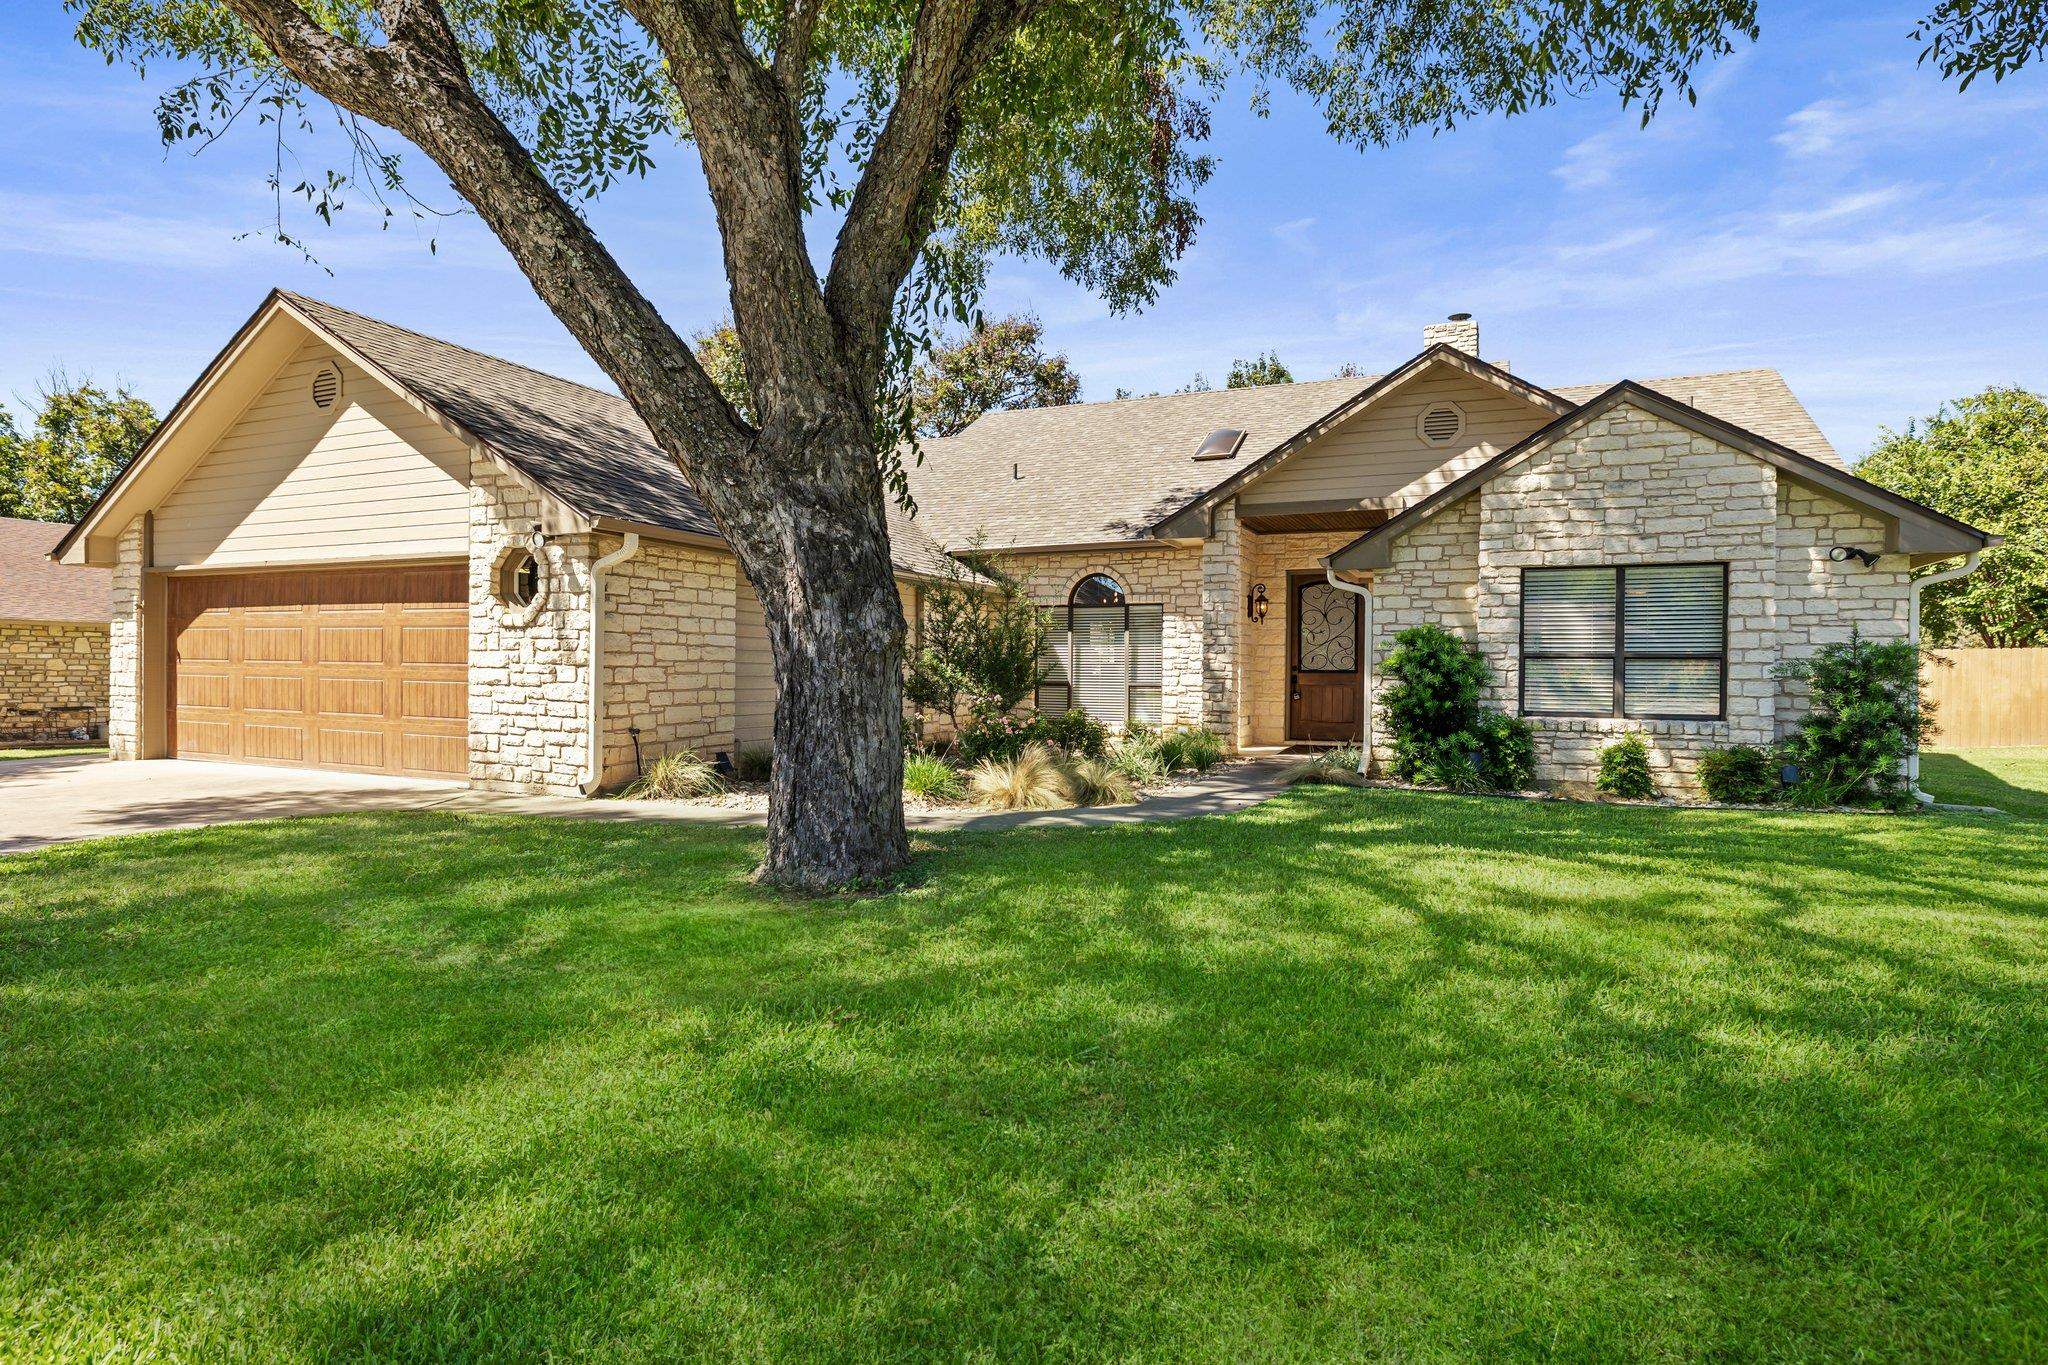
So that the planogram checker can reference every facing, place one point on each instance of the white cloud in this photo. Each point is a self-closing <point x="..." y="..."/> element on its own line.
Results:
<point x="1909" y="108"/>
<point x="1295" y="235"/>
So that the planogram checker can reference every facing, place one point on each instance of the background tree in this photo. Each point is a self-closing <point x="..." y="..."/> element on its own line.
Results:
<point x="1260" y="369"/>
<point x="1983" y="459"/>
<point x="718" y="350"/>
<point x="83" y="436"/>
<point x="997" y="365"/>
<point x="928" y="135"/>
<point x="979" y="644"/>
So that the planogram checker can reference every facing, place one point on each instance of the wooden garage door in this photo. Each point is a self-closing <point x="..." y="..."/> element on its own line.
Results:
<point x="362" y="669"/>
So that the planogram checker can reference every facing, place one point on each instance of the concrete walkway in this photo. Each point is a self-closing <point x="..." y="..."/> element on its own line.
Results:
<point x="60" y="800"/>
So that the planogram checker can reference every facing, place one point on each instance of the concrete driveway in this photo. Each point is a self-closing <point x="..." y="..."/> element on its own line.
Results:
<point x="56" y="800"/>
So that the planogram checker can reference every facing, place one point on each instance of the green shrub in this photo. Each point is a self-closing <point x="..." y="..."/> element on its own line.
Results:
<point x="753" y="763"/>
<point x="1436" y="681"/>
<point x="1625" y="769"/>
<point x="1851" y="745"/>
<point x="989" y="734"/>
<point x="1742" y="775"/>
<point x="680" y="776"/>
<point x="1029" y="780"/>
<point x="930" y="777"/>
<point x="1331" y="767"/>
<point x="1136" y="756"/>
<point x="1195" y="749"/>
<point x="1075" y="732"/>
<point x="1093" y="782"/>
<point x="1506" y="751"/>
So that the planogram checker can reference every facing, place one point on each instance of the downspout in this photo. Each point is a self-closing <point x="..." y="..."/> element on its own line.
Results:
<point x="1364" y="596"/>
<point x="593" y="742"/>
<point x="1968" y="565"/>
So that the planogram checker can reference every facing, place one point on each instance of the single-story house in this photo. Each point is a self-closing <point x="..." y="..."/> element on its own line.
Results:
<point x="351" y="545"/>
<point x="53" y="639"/>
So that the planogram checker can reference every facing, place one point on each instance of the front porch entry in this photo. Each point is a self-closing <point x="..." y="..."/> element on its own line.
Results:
<point x="1325" y="660"/>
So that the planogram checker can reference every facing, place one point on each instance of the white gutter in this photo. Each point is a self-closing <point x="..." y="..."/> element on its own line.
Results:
<point x="1968" y="565"/>
<point x="1364" y="596"/>
<point x="593" y="742"/>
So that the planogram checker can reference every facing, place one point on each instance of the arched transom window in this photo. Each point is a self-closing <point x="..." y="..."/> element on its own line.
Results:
<point x="1102" y="654"/>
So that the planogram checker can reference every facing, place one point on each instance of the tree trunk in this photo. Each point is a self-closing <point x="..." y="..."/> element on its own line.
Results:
<point x="821" y="566"/>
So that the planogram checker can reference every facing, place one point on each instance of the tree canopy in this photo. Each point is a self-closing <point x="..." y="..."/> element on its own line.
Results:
<point x="83" y="435"/>
<point x="1260" y="369"/>
<point x="998" y="364"/>
<point x="1983" y="459"/>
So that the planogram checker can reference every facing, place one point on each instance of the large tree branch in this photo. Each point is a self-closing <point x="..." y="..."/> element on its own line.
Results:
<point x="416" y="84"/>
<point x="896" y="201"/>
<point x="793" y="44"/>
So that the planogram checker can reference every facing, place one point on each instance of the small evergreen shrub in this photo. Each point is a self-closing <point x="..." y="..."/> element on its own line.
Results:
<point x="1852" y="744"/>
<point x="1029" y="780"/>
<point x="930" y="777"/>
<point x="680" y="776"/>
<point x="1625" y="769"/>
<point x="989" y="734"/>
<point x="1506" y="747"/>
<point x="1440" y="734"/>
<point x="1741" y="775"/>
<point x="753" y="763"/>
<point x="1075" y="732"/>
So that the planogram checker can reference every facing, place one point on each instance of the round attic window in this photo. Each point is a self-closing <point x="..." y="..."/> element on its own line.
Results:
<point x="1440" y="424"/>
<point x="326" y="387"/>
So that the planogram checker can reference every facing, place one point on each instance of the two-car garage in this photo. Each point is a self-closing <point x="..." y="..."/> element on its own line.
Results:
<point x="359" y="669"/>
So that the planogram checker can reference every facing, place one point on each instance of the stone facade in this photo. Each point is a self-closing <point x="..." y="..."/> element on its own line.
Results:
<point x="1819" y="601"/>
<point x="529" y="688"/>
<point x="1263" y="677"/>
<point x="53" y="679"/>
<point x="1168" y="575"/>
<point x="668" y="654"/>
<point x="124" y="648"/>
<point x="1434" y="578"/>
<point x="1223" y="618"/>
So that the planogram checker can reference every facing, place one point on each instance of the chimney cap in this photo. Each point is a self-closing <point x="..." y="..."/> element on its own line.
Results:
<point x="1460" y="317"/>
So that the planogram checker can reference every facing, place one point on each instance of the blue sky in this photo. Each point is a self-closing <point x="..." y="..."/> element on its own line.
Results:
<point x="1827" y="209"/>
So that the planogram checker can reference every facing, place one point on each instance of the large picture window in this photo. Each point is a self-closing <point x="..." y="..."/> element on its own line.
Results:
<point x="1102" y="654"/>
<point x="1647" y="641"/>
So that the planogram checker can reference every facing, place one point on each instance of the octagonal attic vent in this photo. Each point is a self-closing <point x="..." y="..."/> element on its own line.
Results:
<point x="326" y="386"/>
<point x="1220" y="444"/>
<point x="1441" y="423"/>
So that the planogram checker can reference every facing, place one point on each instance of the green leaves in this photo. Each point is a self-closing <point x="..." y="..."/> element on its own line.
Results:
<point x="1983" y="459"/>
<point x="83" y="436"/>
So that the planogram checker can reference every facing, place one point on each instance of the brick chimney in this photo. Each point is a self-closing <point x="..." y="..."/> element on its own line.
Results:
<point x="1458" y="330"/>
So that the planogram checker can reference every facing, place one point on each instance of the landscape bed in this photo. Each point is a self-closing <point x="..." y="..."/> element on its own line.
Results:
<point x="1354" y="1072"/>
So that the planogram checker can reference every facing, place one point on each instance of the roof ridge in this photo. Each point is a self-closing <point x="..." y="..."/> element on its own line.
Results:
<point x="607" y="394"/>
<point x="1182" y="393"/>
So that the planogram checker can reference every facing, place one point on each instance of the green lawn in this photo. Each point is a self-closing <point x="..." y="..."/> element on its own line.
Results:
<point x="1353" y="1073"/>
<point x="6" y="754"/>
<point x="2014" y="780"/>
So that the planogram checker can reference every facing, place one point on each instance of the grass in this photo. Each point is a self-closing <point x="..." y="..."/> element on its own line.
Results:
<point x="1353" y="1073"/>
<point x="7" y="754"/>
<point x="2014" y="780"/>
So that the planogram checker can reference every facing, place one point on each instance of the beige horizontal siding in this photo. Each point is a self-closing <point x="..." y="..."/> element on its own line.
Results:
<point x="1379" y="452"/>
<point x="292" y="483"/>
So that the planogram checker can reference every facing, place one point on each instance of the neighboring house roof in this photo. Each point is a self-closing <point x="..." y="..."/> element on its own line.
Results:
<point x="1917" y="529"/>
<point x="585" y="446"/>
<point x="1098" y="472"/>
<point x="32" y="588"/>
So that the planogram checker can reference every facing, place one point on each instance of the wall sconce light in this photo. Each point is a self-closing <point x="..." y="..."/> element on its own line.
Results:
<point x="535" y="541"/>
<point x="1841" y="554"/>
<point x="1255" y="602"/>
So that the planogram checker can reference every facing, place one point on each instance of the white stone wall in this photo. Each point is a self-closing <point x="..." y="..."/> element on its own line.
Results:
<point x="1631" y="488"/>
<point x="124" y="648"/>
<point x="1168" y="575"/>
<point x="669" y="650"/>
<point x="528" y="678"/>
<point x="53" y="678"/>
<point x="1223" y="615"/>
<point x="1434" y="577"/>
<point x="1821" y="602"/>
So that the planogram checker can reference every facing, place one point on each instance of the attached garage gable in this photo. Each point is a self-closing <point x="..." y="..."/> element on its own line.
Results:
<point x="325" y="464"/>
<point x="361" y="669"/>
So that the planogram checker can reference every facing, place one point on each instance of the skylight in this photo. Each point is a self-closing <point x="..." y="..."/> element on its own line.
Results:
<point x="1220" y="444"/>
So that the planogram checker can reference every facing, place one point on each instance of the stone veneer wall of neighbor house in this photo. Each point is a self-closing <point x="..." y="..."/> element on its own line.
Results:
<point x="124" y="648"/>
<point x="1631" y="488"/>
<point x="1434" y="577"/>
<point x="669" y="653"/>
<point x="1263" y="678"/>
<point x="53" y="680"/>
<point x="1168" y="575"/>
<point x="528" y="689"/>
<point x="1819" y="601"/>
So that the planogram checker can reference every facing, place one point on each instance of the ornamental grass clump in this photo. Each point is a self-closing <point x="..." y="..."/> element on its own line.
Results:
<point x="1625" y="770"/>
<point x="1029" y="780"/>
<point x="930" y="777"/>
<point x="1093" y="782"/>
<point x="753" y="763"/>
<point x="680" y="776"/>
<point x="1331" y="767"/>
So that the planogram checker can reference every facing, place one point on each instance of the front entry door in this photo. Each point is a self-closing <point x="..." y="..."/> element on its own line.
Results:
<point x="1325" y="661"/>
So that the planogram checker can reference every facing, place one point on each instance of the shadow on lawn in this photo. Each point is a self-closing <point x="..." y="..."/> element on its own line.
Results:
<point x="1952" y="777"/>
<point x="1380" y="1072"/>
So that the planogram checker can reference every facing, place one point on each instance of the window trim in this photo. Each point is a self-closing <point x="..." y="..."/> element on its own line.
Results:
<point x="1620" y="654"/>
<point x="1065" y="652"/>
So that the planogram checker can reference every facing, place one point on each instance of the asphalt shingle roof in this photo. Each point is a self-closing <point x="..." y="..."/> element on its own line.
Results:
<point x="32" y="588"/>
<point x="585" y="446"/>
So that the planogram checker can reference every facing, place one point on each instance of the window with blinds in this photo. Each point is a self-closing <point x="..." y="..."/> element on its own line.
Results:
<point x="1647" y="641"/>
<point x="1106" y="661"/>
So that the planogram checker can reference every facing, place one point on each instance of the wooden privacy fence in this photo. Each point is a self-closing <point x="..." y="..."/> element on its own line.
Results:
<point x="1987" y="698"/>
